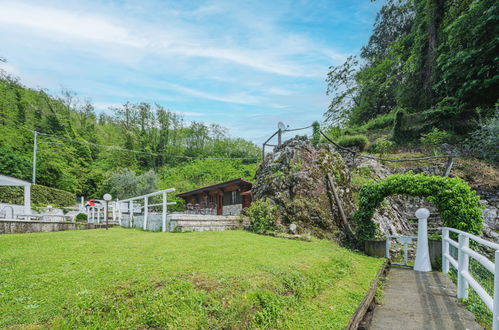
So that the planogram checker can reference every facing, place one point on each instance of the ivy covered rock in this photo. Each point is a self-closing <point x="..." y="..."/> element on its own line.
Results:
<point x="295" y="178"/>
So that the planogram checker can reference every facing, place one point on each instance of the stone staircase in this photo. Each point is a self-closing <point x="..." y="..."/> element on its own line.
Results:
<point x="181" y="222"/>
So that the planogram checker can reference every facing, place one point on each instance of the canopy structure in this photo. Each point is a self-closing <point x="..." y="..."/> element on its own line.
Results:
<point x="13" y="182"/>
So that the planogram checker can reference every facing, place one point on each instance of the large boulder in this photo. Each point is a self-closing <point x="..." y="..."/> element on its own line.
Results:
<point x="296" y="177"/>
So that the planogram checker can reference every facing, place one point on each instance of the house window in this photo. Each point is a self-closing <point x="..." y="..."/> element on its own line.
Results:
<point x="232" y="197"/>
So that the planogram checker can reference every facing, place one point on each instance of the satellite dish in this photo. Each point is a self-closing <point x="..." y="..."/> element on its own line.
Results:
<point x="281" y="126"/>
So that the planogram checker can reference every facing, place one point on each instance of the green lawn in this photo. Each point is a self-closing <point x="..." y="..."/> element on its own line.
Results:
<point x="130" y="278"/>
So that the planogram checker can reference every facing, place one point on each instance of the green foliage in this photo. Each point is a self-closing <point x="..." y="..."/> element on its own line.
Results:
<point x="40" y="195"/>
<point x="262" y="216"/>
<point x="203" y="172"/>
<point x="81" y="217"/>
<point x="457" y="203"/>
<point x="270" y="305"/>
<point x="381" y="146"/>
<point x="162" y="136"/>
<point x="437" y="60"/>
<point x="357" y="141"/>
<point x="484" y="141"/>
<point x="14" y="164"/>
<point x="379" y="122"/>
<point x="433" y="139"/>
<point x="126" y="183"/>
<point x="199" y="280"/>
<point x="316" y="135"/>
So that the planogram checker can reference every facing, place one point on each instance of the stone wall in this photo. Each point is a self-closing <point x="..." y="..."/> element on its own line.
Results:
<point x="184" y="222"/>
<point x="232" y="209"/>
<point x="22" y="226"/>
<point x="196" y="222"/>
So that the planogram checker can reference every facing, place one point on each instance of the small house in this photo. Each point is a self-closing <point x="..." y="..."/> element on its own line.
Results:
<point x="225" y="198"/>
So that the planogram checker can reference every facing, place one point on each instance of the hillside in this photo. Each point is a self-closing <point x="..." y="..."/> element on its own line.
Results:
<point x="82" y="151"/>
<point x="429" y="67"/>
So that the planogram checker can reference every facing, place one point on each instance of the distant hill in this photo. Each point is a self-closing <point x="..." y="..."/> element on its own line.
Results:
<point x="72" y="153"/>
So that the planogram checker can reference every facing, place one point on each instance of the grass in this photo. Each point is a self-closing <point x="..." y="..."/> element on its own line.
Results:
<point x="134" y="279"/>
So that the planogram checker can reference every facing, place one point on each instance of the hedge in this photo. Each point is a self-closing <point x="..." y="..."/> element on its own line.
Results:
<point x="40" y="195"/>
<point x="456" y="202"/>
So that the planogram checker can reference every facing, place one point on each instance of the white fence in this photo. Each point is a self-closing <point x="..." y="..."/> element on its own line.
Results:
<point x="141" y="203"/>
<point x="464" y="277"/>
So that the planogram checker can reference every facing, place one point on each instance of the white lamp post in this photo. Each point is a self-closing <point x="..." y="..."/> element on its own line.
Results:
<point x="107" y="198"/>
<point x="422" y="263"/>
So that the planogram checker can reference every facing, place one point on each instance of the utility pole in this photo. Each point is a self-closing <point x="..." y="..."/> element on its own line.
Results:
<point x="35" y="146"/>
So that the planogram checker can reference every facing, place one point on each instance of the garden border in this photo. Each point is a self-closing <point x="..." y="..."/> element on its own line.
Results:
<point x="363" y="315"/>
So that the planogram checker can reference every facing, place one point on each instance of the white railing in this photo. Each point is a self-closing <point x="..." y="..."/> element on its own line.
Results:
<point x="405" y="240"/>
<point x="145" y="198"/>
<point x="464" y="277"/>
<point x="94" y="214"/>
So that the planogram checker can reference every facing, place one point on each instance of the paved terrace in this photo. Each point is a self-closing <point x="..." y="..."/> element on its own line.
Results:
<point x="421" y="300"/>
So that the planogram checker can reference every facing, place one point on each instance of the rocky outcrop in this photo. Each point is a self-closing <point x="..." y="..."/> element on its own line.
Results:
<point x="295" y="177"/>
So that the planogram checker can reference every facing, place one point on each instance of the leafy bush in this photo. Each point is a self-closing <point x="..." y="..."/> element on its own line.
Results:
<point x="126" y="183"/>
<point x="457" y="203"/>
<point x="358" y="141"/>
<point x="81" y="217"/>
<point x="379" y="122"/>
<point x="381" y="146"/>
<point x="483" y="142"/>
<point x="433" y="139"/>
<point x="40" y="195"/>
<point x="262" y="215"/>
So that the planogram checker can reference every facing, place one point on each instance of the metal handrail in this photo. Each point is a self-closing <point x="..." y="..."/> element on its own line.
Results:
<point x="464" y="277"/>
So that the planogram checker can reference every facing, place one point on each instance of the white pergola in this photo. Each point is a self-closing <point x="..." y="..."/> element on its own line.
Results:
<point x="13" y="182"/>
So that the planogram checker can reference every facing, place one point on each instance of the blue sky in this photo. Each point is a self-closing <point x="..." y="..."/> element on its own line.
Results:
<point x="242" y="64"/>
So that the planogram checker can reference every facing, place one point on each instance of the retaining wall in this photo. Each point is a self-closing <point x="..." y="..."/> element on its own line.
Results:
<point x="183" y="222"/>
<point x="23" y="226"/>
<point x="196" y="222"/>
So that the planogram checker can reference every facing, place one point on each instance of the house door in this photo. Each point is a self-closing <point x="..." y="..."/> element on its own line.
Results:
<point x="219" y="204"/>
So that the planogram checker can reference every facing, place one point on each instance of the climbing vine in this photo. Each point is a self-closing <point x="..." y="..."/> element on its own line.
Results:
<point x="457" y="203"/>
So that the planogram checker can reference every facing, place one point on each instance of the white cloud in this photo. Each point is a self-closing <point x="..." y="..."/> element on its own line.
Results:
<point x="238" y="98"/>
<point x="185" y="39"/>
<point x="64" y="22"/>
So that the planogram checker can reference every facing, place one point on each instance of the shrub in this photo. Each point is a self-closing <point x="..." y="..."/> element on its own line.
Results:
<point x="456" y="202"/>
<point x="358" y="141"/>
<point x="262" y="215"/>
<point x="380" y="122"/>
<point x="483" y="141"/>
<point x="381" y="146"/>
<point x="433" y="139"/>
<point x="81" y="217"/>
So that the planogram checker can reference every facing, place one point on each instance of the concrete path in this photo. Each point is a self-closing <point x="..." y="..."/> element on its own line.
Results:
<point x="420" y="300"/>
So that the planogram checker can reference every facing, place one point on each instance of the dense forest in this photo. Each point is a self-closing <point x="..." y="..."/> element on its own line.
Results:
<point x="429" y="65"/>
<point x="132" y="149"/>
